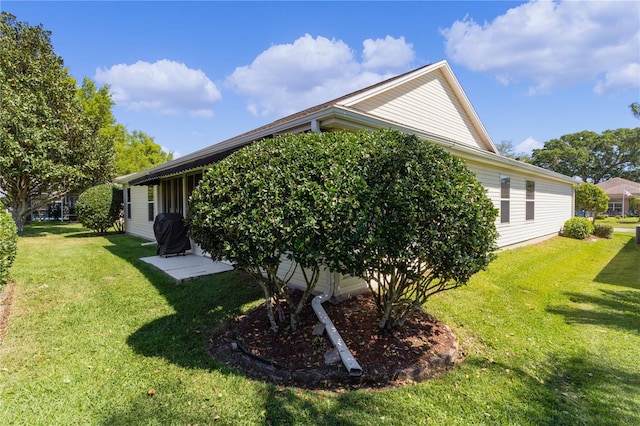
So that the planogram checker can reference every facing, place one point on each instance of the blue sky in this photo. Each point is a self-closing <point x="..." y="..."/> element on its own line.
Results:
<point x="191" y="74"/>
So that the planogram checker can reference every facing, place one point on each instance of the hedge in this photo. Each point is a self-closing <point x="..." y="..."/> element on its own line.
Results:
<point x="8" y="244"/>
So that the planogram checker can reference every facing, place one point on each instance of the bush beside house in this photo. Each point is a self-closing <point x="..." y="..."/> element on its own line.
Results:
<point x="578" y="228"/>
<point x="383" y="206"/>
<point x="8" y="244"/>
<point x="99" y="207"/>
<point x="603" y="230"/>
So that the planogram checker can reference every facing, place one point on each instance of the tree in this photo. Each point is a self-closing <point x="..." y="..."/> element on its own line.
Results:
<point x="236" y="213"/>
<point x="506" y="149"/>
<point x="135" y="151"/>
<point x="99" y="153"/>
<point x="635" y="109"/>
<point x="276" y="200"/>
<point x="592" y="198"/>
<point x="591" y="156"/>
<point x="423" y="224"/>
<point x="48" y="143"/>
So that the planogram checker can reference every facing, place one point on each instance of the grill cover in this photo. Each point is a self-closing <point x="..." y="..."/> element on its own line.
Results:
<point x="171" y="234"/>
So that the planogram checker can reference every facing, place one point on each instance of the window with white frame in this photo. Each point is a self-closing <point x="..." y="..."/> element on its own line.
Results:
<point x="128" y="202"/>
<point x="530" y="200"/>
<point x="505" y="198"/>
<point x="151" y="203"/>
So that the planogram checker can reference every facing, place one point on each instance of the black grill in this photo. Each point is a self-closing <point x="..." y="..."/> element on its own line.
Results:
<point x="171" y="234"/>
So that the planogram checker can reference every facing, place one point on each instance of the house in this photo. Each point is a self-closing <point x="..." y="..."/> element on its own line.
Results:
<point x="429" y="102"/>
<point x="619" y="192"/>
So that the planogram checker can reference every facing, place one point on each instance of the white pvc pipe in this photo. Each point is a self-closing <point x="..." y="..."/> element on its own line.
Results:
<point x="346" y="356"/>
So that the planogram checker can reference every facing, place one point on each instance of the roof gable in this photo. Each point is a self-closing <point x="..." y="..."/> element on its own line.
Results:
<point x="618" y="186"/>
<point x="428" y="99"/>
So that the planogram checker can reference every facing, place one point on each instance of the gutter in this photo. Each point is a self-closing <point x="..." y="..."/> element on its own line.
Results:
<point x="346" y="356"/>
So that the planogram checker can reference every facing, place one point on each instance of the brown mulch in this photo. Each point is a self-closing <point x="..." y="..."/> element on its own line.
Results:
<point x="422" y="348"/>
<point x="6" y="296"/>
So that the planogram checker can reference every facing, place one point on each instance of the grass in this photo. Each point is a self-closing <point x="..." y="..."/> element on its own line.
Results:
<point x="551" y="333"/>
<point x="627" y="222"/>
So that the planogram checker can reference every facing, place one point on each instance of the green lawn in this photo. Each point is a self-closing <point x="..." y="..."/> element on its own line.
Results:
<point x="627" y="222"/>
<point x="551" y="333"/>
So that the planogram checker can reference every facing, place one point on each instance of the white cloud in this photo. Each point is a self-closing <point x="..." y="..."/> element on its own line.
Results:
<point x="389" y="53"/>
<point x="527" y="146"/>
<point x="628" y="77"/>
<point x="552" y="44"/>
<point x="165" y="86"/>
<point x="286" y="78"/>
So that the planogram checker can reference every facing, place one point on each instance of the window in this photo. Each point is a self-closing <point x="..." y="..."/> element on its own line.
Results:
<point x="128" y="201"/>
<point x="172" y="195"/>
<point x="530" y="200"/>
<point x="150" y="198"/>
<point x="615" y="207"/>
<point x="192" y="182"/>
<point x="505" y="195"/>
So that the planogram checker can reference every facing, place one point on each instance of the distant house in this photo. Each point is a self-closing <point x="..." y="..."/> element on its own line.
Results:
<point x="620" y="191"/>
<point x="428" y="102"/>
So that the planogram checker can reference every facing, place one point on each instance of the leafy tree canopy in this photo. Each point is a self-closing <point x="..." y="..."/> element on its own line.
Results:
<point x="135" y="151"/>
<point x="592" y="198"/>
<point x="592" y="156"/>
<point x="506" y="149"/>
<point x="49" y="143"/>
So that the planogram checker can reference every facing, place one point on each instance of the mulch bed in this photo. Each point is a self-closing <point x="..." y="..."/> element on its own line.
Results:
<point x="422" y="348"/>
<point x="6" y="296"/>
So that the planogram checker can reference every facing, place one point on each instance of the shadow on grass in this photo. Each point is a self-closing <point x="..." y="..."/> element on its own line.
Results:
<point x="615" y="309"/>
<point x="573" y="390"/>
<point x="201" y="306"/>
<point x="624" y="268"/>
<point x="50" y="227"/>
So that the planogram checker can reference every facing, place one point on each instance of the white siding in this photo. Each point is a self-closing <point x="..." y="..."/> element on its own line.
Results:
<point x="139" y="223"/>
<point x="345" y="284"/>
<point x="553" y="204"/>
<point x="428" y="104"/>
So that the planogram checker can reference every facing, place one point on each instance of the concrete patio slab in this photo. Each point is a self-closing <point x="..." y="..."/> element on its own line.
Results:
<point x="189" y="266"/>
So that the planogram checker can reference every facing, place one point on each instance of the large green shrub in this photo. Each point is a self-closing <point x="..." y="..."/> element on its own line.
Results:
<point x="274" y="200"/>
<point x="603" y="230"/>
<point x="425" y="225"/>
<point x="396" y="211"/>
<point x="578" y="228"/>
<point x="8" y="244"/>
<point x="99" y="207"/>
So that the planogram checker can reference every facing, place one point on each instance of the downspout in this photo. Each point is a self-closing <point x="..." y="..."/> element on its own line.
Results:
<point x="315" y="126"/>
<point x="346" y="356"/>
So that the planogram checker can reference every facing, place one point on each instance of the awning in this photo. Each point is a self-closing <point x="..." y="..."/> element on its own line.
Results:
<point x="153" y="178"/>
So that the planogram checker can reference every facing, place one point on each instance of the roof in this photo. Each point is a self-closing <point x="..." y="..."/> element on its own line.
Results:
<point x="216" y="152"/>
<point x="345" y="112"/>
<point x="617" y="186"/>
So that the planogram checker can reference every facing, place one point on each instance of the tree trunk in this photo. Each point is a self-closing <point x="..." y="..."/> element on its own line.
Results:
<point x="18" y="215"/>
